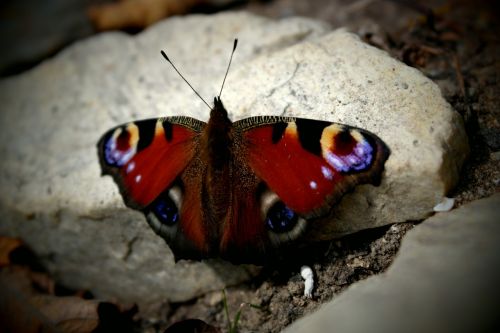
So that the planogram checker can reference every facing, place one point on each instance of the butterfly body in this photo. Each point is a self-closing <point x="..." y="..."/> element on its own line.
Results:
<point x="237" y="190"/>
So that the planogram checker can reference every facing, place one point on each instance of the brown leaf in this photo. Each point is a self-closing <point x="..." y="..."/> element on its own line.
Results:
<point x="7" y="245"/>
<point x="136" y="13"/>
<point x="16" y="312"/>
<point x="28" y="303"/>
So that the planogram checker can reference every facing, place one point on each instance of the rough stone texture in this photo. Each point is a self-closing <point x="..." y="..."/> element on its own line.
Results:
<point x="53" y="197"/>
<point x="444" y="279"/>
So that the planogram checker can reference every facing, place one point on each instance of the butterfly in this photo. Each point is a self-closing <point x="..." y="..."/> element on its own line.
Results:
<point x="237" y="190"/>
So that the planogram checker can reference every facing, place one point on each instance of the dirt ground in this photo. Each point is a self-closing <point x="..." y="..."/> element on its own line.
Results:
<point x="456" y="44"/>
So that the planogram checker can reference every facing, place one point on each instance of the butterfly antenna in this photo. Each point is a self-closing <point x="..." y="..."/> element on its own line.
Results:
<point x="166" y="58"/>
<point x="229" y="65"/>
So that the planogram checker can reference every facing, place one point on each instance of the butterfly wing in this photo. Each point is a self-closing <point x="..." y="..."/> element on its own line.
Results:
<point x="310" y="164"/>
<point x="288" y="170"/>
<point x="145" y="157"/>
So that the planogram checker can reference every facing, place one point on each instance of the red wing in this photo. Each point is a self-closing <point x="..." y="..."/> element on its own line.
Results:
<point x="310" y="164"/>
<point x="145" y="157"/>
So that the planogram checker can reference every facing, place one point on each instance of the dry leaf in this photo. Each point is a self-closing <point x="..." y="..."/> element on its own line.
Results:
<point x="7" y="245"/>
<point x="137" y="13"/>
<point x="28" y="303"/>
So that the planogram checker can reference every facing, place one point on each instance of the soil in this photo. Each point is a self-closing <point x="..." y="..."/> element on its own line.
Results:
<point x="456" y="44"/>
<point x="277" y="294"/>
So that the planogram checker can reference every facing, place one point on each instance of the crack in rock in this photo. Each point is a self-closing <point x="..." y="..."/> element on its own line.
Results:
<point x="130" y="245"/>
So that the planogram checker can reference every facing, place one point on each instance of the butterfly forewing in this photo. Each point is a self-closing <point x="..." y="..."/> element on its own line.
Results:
<point x="145" y="157"/>
<point x="310" y="164"/>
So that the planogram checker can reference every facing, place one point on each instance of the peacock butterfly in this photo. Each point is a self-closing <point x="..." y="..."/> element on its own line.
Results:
<point x="236" y="190"/>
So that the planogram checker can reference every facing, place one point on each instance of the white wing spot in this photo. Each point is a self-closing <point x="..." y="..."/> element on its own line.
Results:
<point x="130" y="167"/>
<point x="327" y="172"/>
<point x="445" y="205"/>
<point x="138" y="178"/>
<point x="313" y="184"/>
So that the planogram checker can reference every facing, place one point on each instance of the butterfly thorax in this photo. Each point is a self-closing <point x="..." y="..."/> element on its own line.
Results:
<point x="218" y="137"/>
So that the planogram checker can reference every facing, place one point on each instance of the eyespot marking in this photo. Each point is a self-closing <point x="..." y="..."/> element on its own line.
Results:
<point x="121" y="145"/>
<point x="280" y="218"/>
<point x="267" y="200"/>
<point x="176" y="195"/>
<point x="346" y="150"/>
<point x="164" y="214"/>
<point x="282" y="223"/>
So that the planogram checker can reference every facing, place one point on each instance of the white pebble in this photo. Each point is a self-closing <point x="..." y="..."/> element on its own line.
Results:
<point x="445" y="205"/>
<point x="308" y="276"/>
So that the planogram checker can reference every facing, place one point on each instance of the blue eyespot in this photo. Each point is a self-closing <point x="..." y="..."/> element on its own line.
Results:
<point x="280" y="218"/>
<point x="166" y="211"/>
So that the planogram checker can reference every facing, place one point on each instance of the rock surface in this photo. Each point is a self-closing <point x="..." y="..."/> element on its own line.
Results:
<point x="444" y="279"/>
<point x="53" y="197"/>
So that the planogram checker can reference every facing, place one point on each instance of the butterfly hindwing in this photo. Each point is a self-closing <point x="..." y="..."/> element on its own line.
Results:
<point x="310" y="164"/>
<point x="145" y="157"/>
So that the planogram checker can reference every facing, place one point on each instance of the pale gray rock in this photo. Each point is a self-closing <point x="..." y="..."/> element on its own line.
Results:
<point x="52" y="116"/>
<point x="444" y="279"/>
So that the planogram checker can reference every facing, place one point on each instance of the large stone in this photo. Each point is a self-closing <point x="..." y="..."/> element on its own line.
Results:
<point x="54" y="198"/>
<point x="444" y="279"/>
